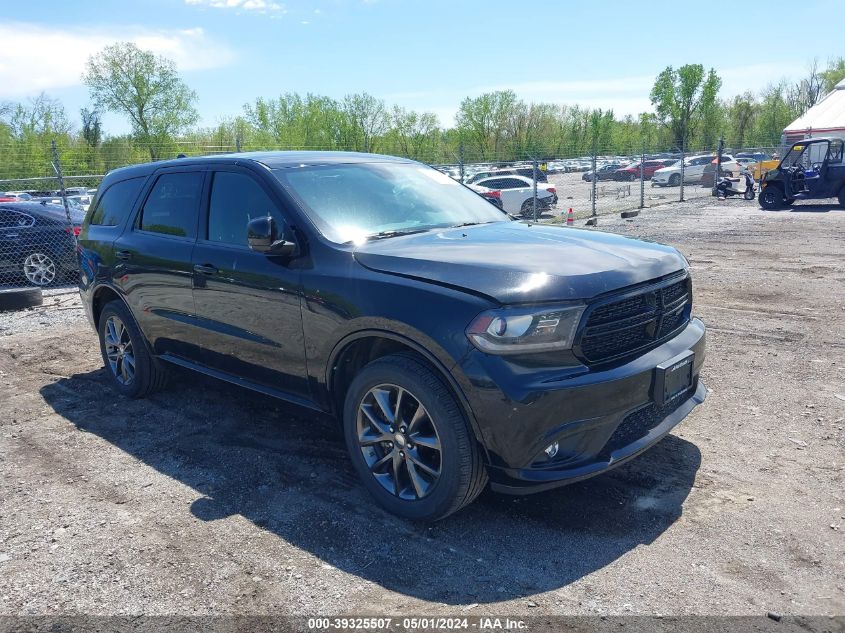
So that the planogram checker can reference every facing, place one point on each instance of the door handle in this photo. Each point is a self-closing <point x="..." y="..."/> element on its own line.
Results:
<point x="124" y="255"/>
<point x="205" y="269"/>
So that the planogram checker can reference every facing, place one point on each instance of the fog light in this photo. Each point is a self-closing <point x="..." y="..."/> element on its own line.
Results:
<point x="552" y="449"/>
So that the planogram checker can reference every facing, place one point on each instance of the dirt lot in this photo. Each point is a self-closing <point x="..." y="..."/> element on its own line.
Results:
<point x="206" y="499"/>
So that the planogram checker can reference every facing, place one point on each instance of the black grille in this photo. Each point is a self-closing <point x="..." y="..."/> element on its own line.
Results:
<point x="635" y="322"/>
<point x="637" y="424"/>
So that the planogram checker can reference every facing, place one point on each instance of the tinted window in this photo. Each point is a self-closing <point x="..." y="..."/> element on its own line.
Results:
<point x="172" y="205"/>
<point x="512" y="183"/>
<point x="235" y="200"/>
<point x="116" y="203"/>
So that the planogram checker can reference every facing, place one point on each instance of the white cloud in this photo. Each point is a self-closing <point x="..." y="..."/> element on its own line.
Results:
<point x="35" y="58"/>
<point x="258" y="6"/>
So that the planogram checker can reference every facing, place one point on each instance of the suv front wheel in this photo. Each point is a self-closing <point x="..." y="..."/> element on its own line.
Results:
<point x="131" y="368"/>
<point x="409" y="441"/>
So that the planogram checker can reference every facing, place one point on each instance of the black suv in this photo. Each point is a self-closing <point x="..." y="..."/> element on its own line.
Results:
<point x="453" y="344"/>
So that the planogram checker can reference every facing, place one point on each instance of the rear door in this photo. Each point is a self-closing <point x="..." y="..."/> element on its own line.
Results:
<point x="247" y="303"/>
<point x="153" y="260"/>
<point x="514" y="193"/>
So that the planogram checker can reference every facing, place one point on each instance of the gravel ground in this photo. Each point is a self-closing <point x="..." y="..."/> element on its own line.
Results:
<point x="206" y="499"/>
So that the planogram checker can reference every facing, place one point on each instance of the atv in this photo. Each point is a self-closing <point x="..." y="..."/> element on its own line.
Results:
<point x="812" y="169"/>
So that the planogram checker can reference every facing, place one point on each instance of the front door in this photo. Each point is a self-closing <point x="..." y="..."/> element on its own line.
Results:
<point x="247" y="303"/>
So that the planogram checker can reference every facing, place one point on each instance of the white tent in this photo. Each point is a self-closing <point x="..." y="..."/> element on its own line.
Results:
<point x="826" y="118"/>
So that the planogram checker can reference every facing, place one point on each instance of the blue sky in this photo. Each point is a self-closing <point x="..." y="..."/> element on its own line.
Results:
<point x="425" y="54"/>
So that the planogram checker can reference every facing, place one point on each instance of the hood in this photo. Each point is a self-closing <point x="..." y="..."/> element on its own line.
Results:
<point x="516" y="262"/>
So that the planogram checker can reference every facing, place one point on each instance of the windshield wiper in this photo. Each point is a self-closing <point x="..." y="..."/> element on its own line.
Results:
<point x="394" y="233"/>
<point x="457" y="226"/>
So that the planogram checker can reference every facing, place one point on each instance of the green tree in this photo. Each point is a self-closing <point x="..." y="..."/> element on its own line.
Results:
<point x="834" y="73"/>
<point x="682" y="97"/>
<point x="92" y="127"/>
<point x="483" y="121"/>
<point x="741" y="113"/>
<point x="416" y="134"/>
<point x="144" y="87"/>
<point x="366" y="121"/>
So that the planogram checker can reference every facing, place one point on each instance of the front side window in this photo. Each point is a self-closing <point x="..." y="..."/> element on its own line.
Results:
<point x="356" y="201"/>
<point x="235" y="200"/>
<point x="173" y="204"/>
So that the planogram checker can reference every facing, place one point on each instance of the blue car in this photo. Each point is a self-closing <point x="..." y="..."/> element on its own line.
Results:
<point x="37" y="243"/>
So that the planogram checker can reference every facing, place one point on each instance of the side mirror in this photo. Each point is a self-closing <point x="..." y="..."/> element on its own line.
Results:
<point x="261" y="235"/>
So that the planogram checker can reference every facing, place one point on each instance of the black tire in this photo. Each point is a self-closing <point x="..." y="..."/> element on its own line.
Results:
<point x="842" y="197"/>
<point x="674" y="180"/>
<point x="748" y="195"/>
<point x="20" y="298"/>
<point x="149" y="374"/>
<point x="527" y="210"/>
<point x="771" y="198"/>
<point x="462" y="475"/>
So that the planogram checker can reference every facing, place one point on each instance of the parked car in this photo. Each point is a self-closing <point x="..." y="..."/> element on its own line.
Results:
<point x="36" y="243"/>
<point x="517" y="193"/>
<point x="72" y="201"/>
<point x="729" y="168"/>
<point x="525" y="172"/>
<point x="756" y="157"/>
<point x="19" y="196"/>
<point x="454" y="345"/>
<point x="605" y="172"/>
<point x="693" y="167"/>
<point x="632" y="171"/>
<point x="492" y="195"/>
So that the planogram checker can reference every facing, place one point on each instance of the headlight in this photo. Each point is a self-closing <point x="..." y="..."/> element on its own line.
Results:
<point x="524" y="330"/>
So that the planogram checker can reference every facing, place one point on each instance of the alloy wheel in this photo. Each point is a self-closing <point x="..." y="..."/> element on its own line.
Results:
<point x="119" y="350"/>
<point x="399" y="441"/>
<point x="39" y="269"/>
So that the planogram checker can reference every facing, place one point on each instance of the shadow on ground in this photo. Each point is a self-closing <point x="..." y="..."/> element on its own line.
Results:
<point x="286" y="471"/>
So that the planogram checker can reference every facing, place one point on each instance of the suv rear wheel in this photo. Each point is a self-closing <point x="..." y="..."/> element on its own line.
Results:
<point x="842" y="197"/>
<point x="409" y="441"/>
<point x="132" y="369"/>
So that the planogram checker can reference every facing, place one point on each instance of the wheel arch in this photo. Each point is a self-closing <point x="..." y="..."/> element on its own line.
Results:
<point x="357" y="349"/>
<point x="100" y="297"/>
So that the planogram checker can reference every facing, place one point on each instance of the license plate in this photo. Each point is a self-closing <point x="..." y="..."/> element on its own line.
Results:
<point x="673" y="378"/>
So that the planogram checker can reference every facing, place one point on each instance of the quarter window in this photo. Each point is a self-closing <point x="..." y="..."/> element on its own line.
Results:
<point x="116" y="202"/>
<point x="235" y="200"/>
<point x="172" y="206"/>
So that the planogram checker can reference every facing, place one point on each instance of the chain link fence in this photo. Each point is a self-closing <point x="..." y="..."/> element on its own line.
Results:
<point x="41" y="215"/>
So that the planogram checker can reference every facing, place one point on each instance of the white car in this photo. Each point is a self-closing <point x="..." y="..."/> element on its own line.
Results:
<point x="693" y="168"/>
<point x="517" y="193"/>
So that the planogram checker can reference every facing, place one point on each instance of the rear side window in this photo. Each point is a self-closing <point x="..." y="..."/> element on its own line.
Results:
<point x="235" y="200"/>
<point x="116" y="203"/>
<point x="173" y="205"/>
<point x="512" y="183"/>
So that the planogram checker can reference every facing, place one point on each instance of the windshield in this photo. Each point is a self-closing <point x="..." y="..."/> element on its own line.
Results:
<point x="356" y="201"/>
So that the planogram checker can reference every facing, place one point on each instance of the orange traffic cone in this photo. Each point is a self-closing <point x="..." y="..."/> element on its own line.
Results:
<point x="570" y="218"/>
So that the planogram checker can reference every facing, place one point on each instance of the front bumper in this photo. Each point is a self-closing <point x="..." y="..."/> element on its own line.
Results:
<point x="599" y="418"/>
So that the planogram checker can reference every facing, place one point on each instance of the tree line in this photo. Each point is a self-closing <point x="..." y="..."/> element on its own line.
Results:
<point x="147" y="90"/>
